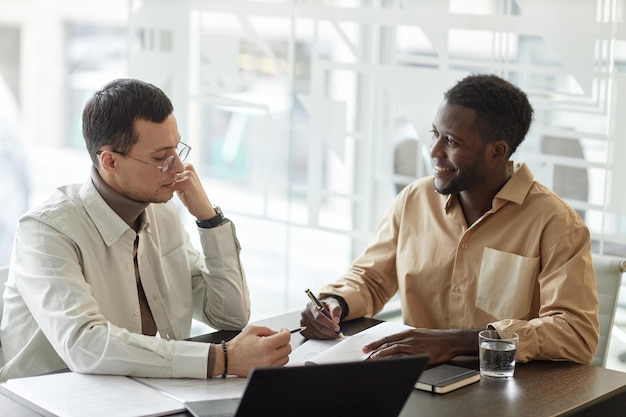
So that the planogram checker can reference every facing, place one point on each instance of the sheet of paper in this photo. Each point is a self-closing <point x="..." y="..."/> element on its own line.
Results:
<point x="71" y="394"/>
<point x="351" y="348"/>
<point x="186" y="390"/>
<point x="309" y="349"/>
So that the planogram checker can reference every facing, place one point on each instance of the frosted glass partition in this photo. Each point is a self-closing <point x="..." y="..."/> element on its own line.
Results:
<point x="307" y="117"/>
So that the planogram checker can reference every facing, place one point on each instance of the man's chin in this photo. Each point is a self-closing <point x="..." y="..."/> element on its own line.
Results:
<point x="162" y="198"/>
<point x="443" y="189"/>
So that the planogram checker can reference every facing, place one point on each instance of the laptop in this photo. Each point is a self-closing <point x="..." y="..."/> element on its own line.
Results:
<point x="365" y="388"/>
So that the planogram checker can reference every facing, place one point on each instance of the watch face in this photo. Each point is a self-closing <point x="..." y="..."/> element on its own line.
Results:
<point x="219" y="218"/>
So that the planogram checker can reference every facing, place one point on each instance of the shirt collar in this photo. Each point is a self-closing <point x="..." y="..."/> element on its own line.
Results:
<point x="514" y="190"/>
<point x="128" y="209"/>
<point x="517" y="187"/>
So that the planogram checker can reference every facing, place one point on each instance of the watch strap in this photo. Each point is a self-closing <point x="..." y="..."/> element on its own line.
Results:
<point x="214" y="221"/>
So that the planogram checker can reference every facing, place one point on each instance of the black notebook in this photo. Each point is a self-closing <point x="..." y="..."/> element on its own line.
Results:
<point x="445" y="378"/>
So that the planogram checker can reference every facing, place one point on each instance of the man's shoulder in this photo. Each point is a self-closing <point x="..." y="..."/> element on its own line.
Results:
<point x="65" y="198"/>
<point x="550" y="204"/>
<point x="542" y="194"/>
<point x="537" y="193"/>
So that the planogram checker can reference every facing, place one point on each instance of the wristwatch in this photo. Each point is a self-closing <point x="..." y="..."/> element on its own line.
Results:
<point x="214" y="221"/>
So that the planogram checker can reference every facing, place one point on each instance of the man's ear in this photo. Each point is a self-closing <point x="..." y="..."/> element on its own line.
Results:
<point x="108" y="161"/>
<point x="498" y="149"/>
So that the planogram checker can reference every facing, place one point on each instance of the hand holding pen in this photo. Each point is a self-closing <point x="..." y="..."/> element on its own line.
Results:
<point x="318" y="305"/>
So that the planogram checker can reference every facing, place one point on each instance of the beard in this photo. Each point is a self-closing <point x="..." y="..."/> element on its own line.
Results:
<point x="461" y="179"/>
<point x="450" y="187"/>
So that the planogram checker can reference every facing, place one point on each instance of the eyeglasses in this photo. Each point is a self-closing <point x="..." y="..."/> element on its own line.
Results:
<point x="182" y="151"/>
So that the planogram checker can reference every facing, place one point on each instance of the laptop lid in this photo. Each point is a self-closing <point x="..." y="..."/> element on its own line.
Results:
<point x="376" y="388"/>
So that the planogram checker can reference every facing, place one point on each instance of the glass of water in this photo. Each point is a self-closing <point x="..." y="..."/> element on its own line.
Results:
<point x="497" y="350"/>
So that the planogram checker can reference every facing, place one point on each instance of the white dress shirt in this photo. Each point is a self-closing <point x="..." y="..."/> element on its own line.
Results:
<point x="71" y="297"/>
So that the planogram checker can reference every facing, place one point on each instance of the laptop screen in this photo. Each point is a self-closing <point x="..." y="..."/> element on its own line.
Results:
<point x="365" y="388"/>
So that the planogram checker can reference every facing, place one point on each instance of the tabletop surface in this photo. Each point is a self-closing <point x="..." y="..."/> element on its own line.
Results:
<point x="538" y="388"/>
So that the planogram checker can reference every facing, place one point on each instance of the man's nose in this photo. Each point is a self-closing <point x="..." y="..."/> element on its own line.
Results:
<point x="177" y="165"/>
<point x="436" y="148"/>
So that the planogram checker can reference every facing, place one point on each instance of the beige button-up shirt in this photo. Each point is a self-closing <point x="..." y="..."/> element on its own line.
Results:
<point x="524" y="266"/>
<point x="71" y="297"/>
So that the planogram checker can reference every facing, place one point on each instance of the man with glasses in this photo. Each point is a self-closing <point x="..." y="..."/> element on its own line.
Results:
<point x="103" y="277"/>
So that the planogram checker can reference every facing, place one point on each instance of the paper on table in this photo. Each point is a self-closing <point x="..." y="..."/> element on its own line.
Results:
<point x="187" y="390"/>
<point x="348" y="349"/>
<point x="71" y="394"/>
<point x="309" y="349"/>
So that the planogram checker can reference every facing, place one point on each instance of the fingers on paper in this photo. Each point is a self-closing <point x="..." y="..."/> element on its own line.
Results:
<point x="386" y="342"/>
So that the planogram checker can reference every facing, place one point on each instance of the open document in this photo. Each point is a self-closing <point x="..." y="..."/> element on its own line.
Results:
<point x="349" y="349"/>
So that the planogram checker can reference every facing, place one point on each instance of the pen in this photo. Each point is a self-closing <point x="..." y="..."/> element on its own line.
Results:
<point x="299" y="329"/>
<point x="321" y="308"/>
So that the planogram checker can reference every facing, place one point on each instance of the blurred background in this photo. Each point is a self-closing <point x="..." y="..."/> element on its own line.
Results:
<point x="307" y="117"/>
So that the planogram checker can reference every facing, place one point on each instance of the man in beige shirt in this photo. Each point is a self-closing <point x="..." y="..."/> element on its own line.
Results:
<point x="478" y="244"/>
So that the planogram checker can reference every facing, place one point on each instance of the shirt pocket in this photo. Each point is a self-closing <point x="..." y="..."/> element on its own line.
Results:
<point x="505" y="284"/>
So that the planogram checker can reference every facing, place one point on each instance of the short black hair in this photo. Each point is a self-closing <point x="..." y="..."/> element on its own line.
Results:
<point x="109" y="115"/>
<point x="503" y="111"/>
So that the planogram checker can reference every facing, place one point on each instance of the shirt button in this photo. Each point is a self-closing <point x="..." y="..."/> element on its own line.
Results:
<point x="457" y="289"/>
<point x="464" y="246"/>
<point x="136" y="312"/>
<point x="129" y="267"/>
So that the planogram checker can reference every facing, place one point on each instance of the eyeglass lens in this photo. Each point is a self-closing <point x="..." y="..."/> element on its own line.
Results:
<point x="183" y="152"/>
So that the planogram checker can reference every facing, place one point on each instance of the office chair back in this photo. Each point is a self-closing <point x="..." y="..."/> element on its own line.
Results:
<point x="609" y="270"/>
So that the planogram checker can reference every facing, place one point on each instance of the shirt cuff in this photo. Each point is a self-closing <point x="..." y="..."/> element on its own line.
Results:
<point x="210" y="367"/>
<point x="220" y="241"/>
<point x="190" y="359"/>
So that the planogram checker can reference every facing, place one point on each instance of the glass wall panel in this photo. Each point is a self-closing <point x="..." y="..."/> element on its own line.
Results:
<point x="308" y="117"/>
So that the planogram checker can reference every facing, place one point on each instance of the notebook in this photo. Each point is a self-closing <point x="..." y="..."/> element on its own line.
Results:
<point x="445" y="378"/>
<point x="362" y="388"/>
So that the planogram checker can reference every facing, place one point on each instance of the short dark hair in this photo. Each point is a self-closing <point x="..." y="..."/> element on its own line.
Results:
<point x="110" y="114"/>
<point x="503" y="111"/>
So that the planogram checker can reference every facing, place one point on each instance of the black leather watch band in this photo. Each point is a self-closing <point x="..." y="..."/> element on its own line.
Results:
<point x="214" y="221"/>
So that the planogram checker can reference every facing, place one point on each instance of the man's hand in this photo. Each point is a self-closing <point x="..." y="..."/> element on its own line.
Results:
<point x="318" y="326"/>
<point x="440" y="345"/>
<point x="190" y="191"/>
<point x="256" y="347"/>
